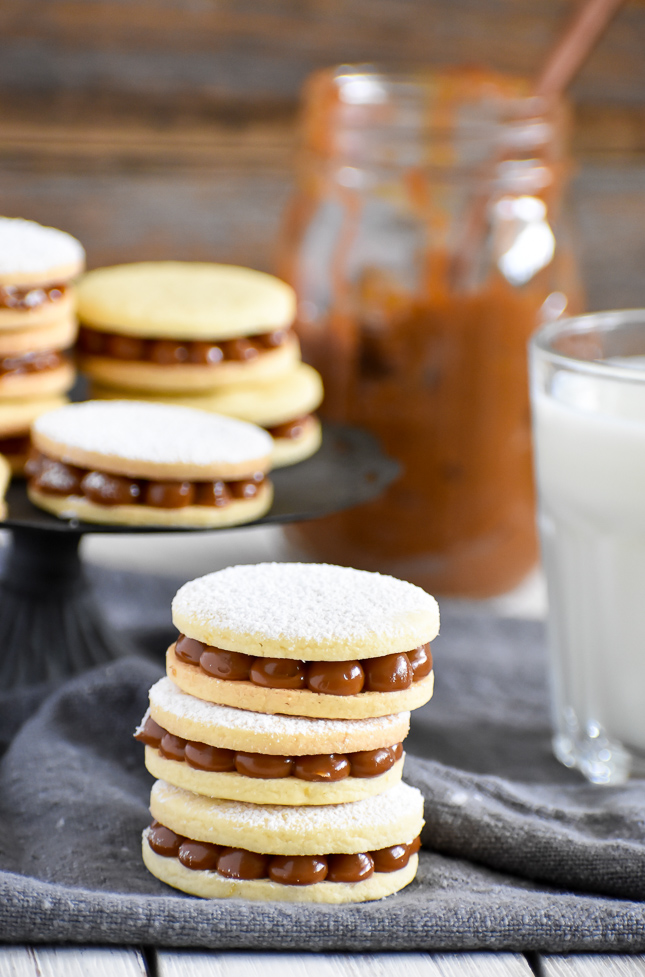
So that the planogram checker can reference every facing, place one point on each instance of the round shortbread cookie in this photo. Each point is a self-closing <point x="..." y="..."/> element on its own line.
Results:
<point x="45" y="383"/>
<point x="236" y="513"/>
<point x="184" y="300"/>
<point x="267" y="403"/>
<point x="48" y="313"/>
<point x="306" y="611"/>
<point x="56" y="335"/>
<point x="288" y="451"/>
<point x="234" y="786"/>
<point x="237" y="729"/>
<point x="17" y="416"/>
<point x="33" y="254"/>
<point x="148" y="440"/>
<point x="391" y="818"/>
<point x="295" y="702"/>
<point x="142" y="375"/>
<point x="212" y="885"/>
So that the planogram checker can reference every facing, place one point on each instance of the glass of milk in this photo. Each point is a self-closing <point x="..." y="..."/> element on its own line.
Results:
<point x="588" y="402"/>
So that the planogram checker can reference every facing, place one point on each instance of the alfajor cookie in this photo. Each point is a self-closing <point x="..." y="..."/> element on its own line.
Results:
<point x="235" y="754"/>
<point x="37" y="267"/>
<point x="341" y="853"/>
<point x="148" y="464"/>
<point x="283" y="406"/>
<point x="180" y="327"/>
<point x="304" y="640"/>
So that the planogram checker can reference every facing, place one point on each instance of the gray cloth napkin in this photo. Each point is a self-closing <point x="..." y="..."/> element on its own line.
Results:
<point x="519" y="854"/>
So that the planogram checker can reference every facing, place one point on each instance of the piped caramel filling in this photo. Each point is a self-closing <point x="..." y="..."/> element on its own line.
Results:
<point x="53" y="477"/>
<point x="170" y="352"/>
<point x="390" y="673"/>
<point x="41" y="362"/>
<point x="291" y="429"/>
<point x="322" y="768"/>
<point x="26" y="299"/>
<point x="238" y="863"/>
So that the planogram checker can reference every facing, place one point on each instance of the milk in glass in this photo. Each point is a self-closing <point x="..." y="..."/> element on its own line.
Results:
<point x="589" y="433"/>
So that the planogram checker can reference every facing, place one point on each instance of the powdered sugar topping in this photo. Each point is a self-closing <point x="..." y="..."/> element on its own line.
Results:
<point x="288" y="602"/>
<point x="154" y="433"/>
<point x="26" y="246"/>
<point x="370" y="813"/>
<point x="272" y="729"/>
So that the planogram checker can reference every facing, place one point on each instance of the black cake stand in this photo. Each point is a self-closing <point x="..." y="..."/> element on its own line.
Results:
<point x="50" y="624"/>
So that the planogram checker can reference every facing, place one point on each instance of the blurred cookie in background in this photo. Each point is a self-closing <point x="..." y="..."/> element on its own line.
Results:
<point x="37" y="268"/>
<point x="130" y="463"/>
<point x="181" y="327"/>
<point x="283" y="406"/>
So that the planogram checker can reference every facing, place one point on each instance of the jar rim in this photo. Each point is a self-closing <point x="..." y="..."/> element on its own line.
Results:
<point x="374" y="84"/>
<point x="374" y="113"/>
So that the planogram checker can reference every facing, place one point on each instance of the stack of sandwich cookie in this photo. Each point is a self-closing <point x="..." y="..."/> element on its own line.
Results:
<point x="311" y="772"/>
<point x="37" y="326"/>
<point x="148" y="464"/>
<point x="213" y="336"/>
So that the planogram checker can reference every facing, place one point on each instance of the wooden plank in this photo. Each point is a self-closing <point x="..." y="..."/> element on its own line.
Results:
<point x="22" y="961"/>
<point x="191" y="964"/>
<point x="593" y="965"/>
<point x="17" y="961"/>
<point x="263" y="50"/>
<point x="599" y="133"/>
<point x="147" y="215"/>
<point x="259" y="146"/>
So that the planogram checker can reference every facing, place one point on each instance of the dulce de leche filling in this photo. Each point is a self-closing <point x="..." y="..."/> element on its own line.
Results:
<point x="389" y="673"/>
<point x="171" y="352"/>
<point x="27" y="298"/>
<point x="23" y="363"/>
<point x="321" y="768"/>
<point x="238" y="863"/>
<point x="290" y="429"/>
<point x="53" y="477"/>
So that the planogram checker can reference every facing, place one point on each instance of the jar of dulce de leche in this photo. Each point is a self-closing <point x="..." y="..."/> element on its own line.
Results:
<point x="425" y="242"/>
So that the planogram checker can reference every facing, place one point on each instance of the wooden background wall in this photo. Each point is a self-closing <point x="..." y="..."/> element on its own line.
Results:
<point x="165" y="128"/>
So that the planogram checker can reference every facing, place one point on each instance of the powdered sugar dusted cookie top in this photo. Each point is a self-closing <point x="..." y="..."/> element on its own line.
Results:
<point x="29" y="250"/>
<point x="389" y="818"/>
<point x="307" y="611"/>
<point x="240" y="729"/>
<point x="149" y="440"/>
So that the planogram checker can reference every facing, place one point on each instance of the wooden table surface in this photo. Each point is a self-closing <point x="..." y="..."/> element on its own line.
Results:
<point x="20" y="961"/>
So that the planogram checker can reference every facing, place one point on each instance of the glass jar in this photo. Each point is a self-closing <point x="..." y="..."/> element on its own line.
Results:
<point x="425" y="244"/>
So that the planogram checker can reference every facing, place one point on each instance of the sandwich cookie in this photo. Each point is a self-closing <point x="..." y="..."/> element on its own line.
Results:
<point x="37" y="267"/>
<point x="177" y="327"/>
<point x="235" y="754"/>
<point x="16" y="418"/>
<point x="33" y="361"/>
<point x="284" y="407"/>
<point x="304" y="640"/>
<point x="131" y="463"/>
<point x="339" y="853"/>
